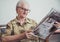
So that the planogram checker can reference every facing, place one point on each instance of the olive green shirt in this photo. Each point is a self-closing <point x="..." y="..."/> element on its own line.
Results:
<point x="14" y="28"/>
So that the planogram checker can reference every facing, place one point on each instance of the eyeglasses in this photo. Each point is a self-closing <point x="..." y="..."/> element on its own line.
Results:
<point x="24" y="9"/>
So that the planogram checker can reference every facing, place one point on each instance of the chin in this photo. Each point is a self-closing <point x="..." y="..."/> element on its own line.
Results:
<point x="24" y="17"/>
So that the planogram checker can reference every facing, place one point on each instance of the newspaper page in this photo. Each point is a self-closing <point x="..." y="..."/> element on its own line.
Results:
<point x="46" y="26"/>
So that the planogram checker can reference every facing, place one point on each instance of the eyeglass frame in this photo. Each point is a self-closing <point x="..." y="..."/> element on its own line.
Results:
<point x="24" y="9"/>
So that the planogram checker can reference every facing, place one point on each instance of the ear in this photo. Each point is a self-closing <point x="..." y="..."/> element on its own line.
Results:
<point x="17" y="10"/>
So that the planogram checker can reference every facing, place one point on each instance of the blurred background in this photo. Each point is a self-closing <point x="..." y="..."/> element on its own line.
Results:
<point x="39" y="9"/>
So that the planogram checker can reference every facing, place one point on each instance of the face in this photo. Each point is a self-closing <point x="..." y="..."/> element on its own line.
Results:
<point x="22" y="11"/>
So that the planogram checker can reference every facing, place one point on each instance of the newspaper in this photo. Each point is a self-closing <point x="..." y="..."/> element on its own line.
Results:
<point x="46" y="26"/>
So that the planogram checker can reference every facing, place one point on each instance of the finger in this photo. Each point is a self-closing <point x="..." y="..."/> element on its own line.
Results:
<point x="29" y="31"/>
<point x="28" y="35"/>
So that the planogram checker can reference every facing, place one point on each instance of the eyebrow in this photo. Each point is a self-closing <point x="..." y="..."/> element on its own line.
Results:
<point x="24" y="8"/>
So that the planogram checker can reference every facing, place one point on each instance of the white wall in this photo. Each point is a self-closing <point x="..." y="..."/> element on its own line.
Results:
<point x="39" y="8"/>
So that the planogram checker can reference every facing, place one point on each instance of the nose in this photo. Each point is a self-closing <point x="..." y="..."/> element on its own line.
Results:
<point x="25" y="12"/>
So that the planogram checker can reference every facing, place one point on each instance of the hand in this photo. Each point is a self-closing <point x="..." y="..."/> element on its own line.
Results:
<point x="30" y="35"/>
<point x="57" y="24"/>
<point x="58" y="31"/>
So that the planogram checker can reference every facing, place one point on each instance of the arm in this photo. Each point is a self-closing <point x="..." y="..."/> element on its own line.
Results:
<point x="7" y="37"/>
<point x="13" y="37"/>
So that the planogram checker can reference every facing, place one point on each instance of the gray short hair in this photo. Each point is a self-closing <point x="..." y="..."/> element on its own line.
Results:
<point x="20" y="2"/>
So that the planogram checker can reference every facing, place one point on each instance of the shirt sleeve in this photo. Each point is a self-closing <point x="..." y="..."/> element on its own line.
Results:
<point x="8" y="30"/>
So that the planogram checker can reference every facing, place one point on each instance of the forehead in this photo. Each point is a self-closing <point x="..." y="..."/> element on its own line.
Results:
<point x="24" y="5"/>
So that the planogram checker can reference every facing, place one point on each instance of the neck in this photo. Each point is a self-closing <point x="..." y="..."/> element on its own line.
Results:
<point x="21" y="20"/>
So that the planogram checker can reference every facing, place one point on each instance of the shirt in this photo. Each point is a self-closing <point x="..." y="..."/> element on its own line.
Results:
<point x="14" y="28"/>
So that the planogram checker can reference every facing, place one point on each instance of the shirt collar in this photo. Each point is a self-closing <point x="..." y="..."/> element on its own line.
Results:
<point x="26" y="21"/>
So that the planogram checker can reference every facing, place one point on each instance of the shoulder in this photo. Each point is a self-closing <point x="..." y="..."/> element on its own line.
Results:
<point x="11" y="22"/>
<point x="31" y="21"/>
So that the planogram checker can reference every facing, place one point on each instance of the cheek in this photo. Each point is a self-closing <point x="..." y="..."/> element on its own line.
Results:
<point x="19" y="11"/>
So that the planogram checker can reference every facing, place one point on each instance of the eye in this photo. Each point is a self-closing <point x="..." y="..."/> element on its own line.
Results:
<point x="24" y="9"/>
